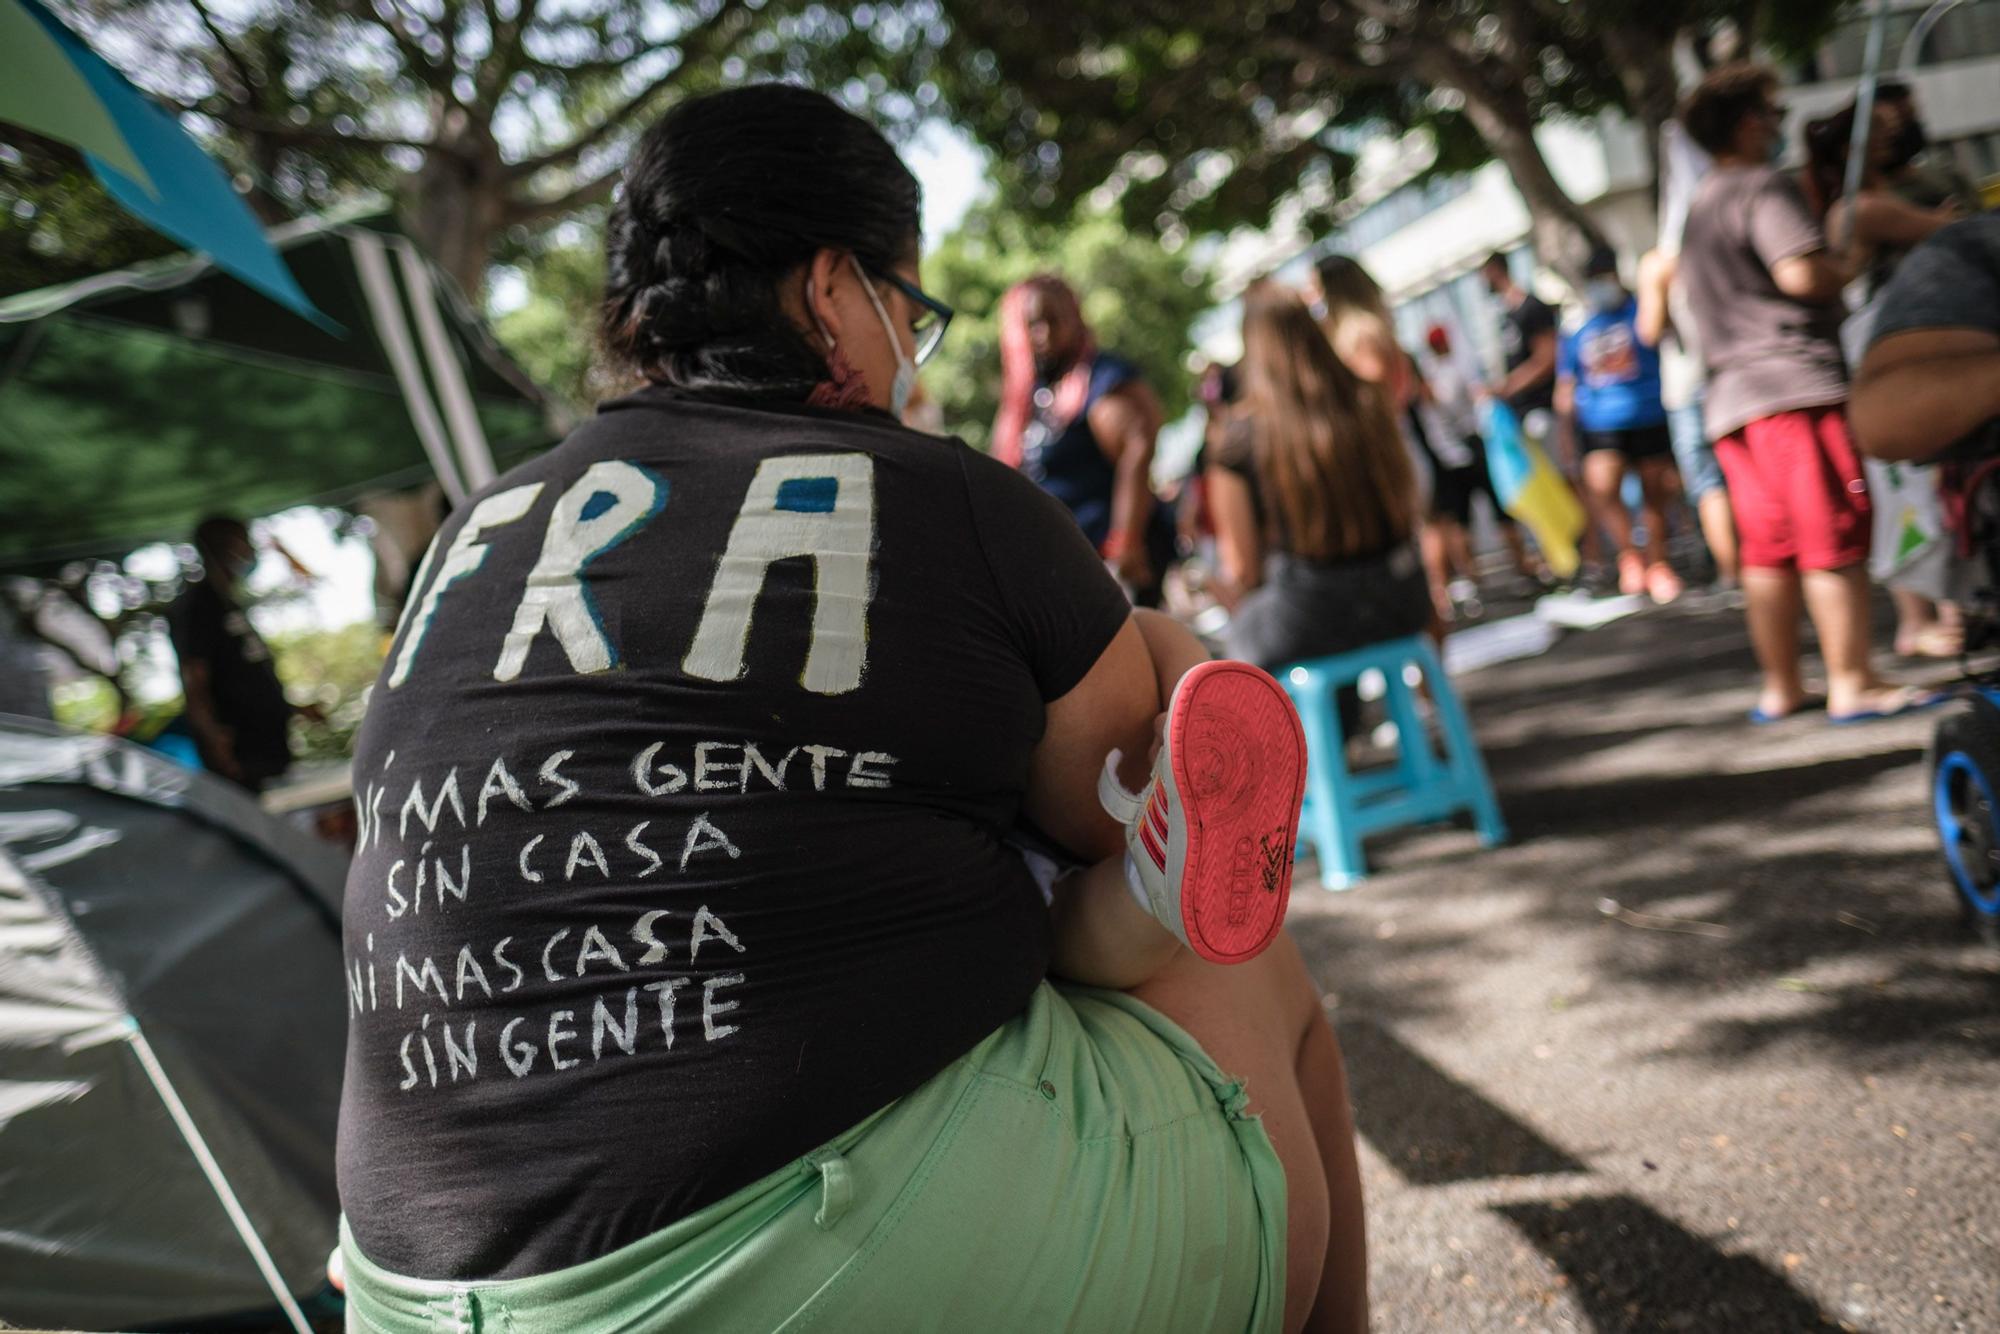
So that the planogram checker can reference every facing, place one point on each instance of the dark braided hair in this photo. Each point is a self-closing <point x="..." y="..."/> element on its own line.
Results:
<point x="724" y="196"/>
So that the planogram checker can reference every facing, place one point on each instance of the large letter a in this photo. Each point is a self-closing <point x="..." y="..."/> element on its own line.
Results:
<point x="817" y="505"/>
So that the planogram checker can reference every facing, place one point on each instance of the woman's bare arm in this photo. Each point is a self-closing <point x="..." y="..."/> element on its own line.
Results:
<point x="1238" y="544"/>
<point x="1102" y="936"/>
<point x="1656" y="275"/>
<point x="1880" y="218"/>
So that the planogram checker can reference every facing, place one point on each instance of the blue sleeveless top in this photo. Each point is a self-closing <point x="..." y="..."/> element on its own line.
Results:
<point x="1065" y="461"/>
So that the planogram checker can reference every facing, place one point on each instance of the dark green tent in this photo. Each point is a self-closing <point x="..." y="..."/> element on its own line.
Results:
<point x="135" y="402"/>
<point x="172" y="1031"/>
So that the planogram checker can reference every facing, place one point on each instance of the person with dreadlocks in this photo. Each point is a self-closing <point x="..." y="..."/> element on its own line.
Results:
<point x="1081" y="422"/>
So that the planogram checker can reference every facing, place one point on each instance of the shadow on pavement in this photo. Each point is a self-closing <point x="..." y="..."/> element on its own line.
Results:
<point x="1920" y="1013"/>
<point x="1573" y="808"/>
<point x="1632" y="1268"/>
<point x="1431" y="1128"/>
<point x="1376" y="990"/>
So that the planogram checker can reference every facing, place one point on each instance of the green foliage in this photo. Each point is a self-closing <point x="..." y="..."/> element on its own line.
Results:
<point x="1202" y="116"/>
<point x="482" y="115"/>
<point x="333" y="669"/>
<point x="1138" y="298"/>
<point x="61" y="224"/>
<point x="553" y="335"/>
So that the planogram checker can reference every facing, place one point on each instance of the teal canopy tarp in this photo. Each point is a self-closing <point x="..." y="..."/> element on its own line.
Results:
<point x="134" y="403"/>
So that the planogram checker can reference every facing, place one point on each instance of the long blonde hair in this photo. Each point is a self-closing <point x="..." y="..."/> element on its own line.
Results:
<point x="1330" y="462"/>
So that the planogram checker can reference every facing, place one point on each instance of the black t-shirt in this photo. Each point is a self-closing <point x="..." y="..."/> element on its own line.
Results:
<point x="1951" y="281"/>
<point x="206" y="626"/>
<point x="1519" y="327"/>
<point x="683" y="798"/>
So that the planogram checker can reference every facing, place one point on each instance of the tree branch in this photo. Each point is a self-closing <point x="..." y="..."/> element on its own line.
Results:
<point x="415" y="58"/>
<point x="594" y="191"/>
<point x="694" y="45"/>
<point x="247" y="83"/>
<point x="506" y="55"/>
<point x="596" y="67"/>
<point x="612" y="122"/>
<point x="286" y="132"/>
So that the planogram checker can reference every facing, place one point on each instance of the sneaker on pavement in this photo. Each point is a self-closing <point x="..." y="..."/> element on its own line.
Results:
<point x="1211" y="836"/>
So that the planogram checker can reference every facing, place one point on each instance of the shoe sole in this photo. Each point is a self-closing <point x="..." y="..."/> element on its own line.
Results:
<point x="1237" y="770"/>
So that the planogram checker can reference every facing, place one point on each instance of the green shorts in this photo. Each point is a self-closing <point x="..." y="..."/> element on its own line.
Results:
<point x="1087" y="1166"/>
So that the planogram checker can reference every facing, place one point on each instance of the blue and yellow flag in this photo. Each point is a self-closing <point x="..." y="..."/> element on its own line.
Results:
<point x="1528" y="487"/>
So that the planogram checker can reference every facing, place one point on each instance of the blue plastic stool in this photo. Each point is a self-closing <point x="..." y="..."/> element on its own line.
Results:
<point x="1343" y="808"/>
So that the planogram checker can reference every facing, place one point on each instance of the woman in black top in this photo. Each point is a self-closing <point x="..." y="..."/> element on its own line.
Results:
<point x="1314" y="499"/>
<point x="694" y="979"/>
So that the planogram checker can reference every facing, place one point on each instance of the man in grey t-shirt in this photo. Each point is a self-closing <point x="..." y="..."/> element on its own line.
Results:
<point x="1932" y="374"/>
<point x="1768" y="349"/>
<point x="1766" y="300"/>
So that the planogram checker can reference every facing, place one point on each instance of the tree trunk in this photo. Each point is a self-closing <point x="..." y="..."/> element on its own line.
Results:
<point x="1562" y="233"/>
<point x="458" y="199"/>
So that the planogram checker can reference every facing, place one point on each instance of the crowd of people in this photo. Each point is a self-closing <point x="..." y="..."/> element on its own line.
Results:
<point x="1339" y="469"/>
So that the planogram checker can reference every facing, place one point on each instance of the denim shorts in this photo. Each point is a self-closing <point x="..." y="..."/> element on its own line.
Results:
<point x="1695" y="456"/>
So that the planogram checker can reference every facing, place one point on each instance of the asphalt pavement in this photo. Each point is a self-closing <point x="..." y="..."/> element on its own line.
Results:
<point x="1705" y="1048"/>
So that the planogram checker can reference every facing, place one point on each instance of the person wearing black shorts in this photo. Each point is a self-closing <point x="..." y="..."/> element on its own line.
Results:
<point x="1635" y="444"/>
<point x="1608" y="399"/>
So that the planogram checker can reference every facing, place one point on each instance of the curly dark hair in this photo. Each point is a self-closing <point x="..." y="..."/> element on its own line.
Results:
<point x="1719" y="102"/>
<point x="723" y="197"/>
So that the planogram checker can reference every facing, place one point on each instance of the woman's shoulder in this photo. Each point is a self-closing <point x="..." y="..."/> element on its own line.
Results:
<point x="1109" y="371"/>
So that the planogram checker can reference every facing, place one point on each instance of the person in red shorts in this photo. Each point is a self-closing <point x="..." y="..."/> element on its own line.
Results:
<point x="1765" y="293"/>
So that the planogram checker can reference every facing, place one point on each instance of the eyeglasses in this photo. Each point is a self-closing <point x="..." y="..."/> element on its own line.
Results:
<point x="933" y="316"/>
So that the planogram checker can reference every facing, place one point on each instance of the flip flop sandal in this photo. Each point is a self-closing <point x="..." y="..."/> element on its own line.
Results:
<point x="1914" y="701"/>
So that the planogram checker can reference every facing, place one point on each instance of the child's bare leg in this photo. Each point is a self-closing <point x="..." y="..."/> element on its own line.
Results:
<point x="1096" y="918"/>
<point x="1262" y="1021"/>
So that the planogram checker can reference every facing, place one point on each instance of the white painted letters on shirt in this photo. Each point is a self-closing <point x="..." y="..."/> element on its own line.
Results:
<point x="605" y="506"/>
<point x="466" y="554"/>
<point x="816" y="505"/>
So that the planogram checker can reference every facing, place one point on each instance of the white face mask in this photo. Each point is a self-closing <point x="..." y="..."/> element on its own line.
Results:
<point x="906" y="370"/>
<point x="1603" y="295"/>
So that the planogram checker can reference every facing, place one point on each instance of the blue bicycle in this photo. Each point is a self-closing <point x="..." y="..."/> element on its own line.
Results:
<point x="1965" y="771"/>
<point x="1965" y="748"/>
